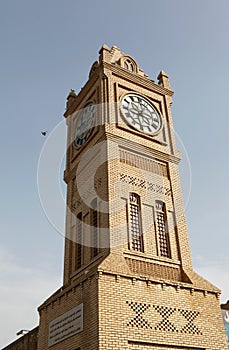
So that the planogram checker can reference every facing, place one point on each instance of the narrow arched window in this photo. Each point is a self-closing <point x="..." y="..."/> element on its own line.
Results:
<point x="128" y="65"/>
<point x="135" y="224"/>
<point x="79" y="246"/>
<point x="94" y="224"/>
<point x="162" y="230"/>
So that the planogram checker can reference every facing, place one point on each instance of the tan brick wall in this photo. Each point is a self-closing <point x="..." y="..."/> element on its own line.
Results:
<point x="63" y="301"/>
<point x="134" y="312"/>
<point x="132" y="300"/>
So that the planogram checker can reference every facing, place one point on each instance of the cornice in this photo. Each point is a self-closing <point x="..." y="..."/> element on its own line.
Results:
<point x="130" y="145"/>
<point x="98" y="272"/>
<point x="136" y="78"/>
<point x="163" y="282"/>
<point x="120" y="72"/>
<point x="83" y="92"/>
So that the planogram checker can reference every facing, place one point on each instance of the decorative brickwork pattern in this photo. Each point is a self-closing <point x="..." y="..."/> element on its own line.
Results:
<point x="189" y="327"/>
<point x="138" y="320"/>
<point x="144" y="163"/>
<point x="142" y="183"/>
<point x="132" y="299"/>
<point x="165" y="324"/>
<point x="150" y="269"/>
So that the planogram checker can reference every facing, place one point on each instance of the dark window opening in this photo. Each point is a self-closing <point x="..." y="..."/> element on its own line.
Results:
<point x="135" y="223"/>
<point x="79" y="241"/>
<point x="162" y="230"/>
<point x="94" y="222"/>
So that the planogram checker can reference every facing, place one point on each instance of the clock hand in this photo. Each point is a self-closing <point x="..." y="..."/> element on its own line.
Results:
<point x="135" y="106"/>
<point x="146" y="120"/>
<point x="133" y="111"/>
<point x="143" y="106"/>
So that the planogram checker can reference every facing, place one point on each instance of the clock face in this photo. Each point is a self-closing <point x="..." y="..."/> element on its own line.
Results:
<point x="141" y="114"/>
<point x="84" y="124"/>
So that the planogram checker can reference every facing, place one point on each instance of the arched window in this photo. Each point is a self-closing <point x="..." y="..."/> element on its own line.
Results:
<point x="135" y="224"/>
<point x="162" y="230"/>
<point x="94" y="224"/>
<point x="79" y="246"/>
<point x="128" y="65"/>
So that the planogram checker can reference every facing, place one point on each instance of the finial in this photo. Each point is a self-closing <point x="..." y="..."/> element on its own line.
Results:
<point x="163" y="79"/>
<point x="72" y="93"/>
<point x="71" y="98"/>
<point x="104" y="47"/>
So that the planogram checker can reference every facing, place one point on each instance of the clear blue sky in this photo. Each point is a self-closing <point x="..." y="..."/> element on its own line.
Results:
<point x="47" y="48"/>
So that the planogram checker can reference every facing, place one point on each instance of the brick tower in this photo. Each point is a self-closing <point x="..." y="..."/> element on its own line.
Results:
<point x="128" y="277"/>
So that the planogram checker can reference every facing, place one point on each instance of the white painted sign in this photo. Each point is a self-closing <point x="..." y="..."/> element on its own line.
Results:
<point x="66" y="325"/>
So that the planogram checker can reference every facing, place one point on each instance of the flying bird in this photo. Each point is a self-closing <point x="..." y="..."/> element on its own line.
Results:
<point x="44" y="133"/>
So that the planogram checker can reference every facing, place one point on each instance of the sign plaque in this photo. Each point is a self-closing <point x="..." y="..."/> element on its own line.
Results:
<point x="66" y="325"/>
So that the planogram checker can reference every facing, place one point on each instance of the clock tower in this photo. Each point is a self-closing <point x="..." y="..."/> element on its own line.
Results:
<point x="128" y="276"/>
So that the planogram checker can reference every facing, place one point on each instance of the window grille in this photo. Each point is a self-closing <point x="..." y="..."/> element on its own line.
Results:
<point x="162" y="230"/>
<point x="135" y="223"/>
